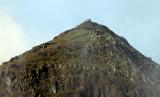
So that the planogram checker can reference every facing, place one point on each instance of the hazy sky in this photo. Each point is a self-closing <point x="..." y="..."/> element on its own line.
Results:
<point x="26" y="23"/>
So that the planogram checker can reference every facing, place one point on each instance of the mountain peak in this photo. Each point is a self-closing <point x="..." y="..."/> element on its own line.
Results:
<point x="86" y="61"/>
<point x="88" y="22"/>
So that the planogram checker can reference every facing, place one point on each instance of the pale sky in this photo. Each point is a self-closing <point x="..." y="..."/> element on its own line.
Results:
<point x="27" y="23"/>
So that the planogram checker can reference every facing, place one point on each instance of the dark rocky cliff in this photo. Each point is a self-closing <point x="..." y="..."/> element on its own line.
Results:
<point x="86" y="61"/>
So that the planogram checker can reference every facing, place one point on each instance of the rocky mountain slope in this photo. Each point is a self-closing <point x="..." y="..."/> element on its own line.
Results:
<point x="87" y="61"/>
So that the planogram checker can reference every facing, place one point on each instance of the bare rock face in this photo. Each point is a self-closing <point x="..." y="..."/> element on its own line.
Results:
<point x="86" y="61"/>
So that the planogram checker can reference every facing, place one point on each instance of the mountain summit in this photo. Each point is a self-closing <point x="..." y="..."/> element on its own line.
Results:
<point x="89" y="60"/>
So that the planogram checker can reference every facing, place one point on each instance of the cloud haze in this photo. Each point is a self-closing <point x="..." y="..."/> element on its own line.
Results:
<point x="12" y="38"/>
